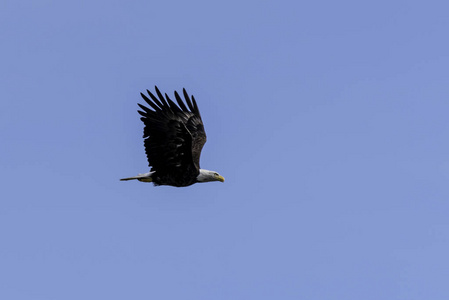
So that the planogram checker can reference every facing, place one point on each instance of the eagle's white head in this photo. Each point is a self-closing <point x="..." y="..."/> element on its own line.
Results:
<point x="206" y="175"/>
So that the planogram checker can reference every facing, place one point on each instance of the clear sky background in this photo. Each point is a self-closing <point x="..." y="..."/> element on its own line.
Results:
<point x="328" y="119"/>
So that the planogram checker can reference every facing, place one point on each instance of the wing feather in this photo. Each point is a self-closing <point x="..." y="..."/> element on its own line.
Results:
<point x="195" y="107"/>
<point x="180" y="103"/>
<point x="186" y="96"/>
<point x="155" y="100"/>
<point x="161" y="98"/>
<point x="172" y="105"/>
<point x="155" y="107"/>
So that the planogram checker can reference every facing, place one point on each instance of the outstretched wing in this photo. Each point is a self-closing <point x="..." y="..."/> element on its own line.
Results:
<point x="174" y="135"/>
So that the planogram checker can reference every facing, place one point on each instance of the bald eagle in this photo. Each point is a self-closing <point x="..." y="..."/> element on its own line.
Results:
<point x="173" y="138"/>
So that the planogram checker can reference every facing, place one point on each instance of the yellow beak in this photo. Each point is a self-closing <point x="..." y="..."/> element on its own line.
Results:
<point x="220" y="178"/>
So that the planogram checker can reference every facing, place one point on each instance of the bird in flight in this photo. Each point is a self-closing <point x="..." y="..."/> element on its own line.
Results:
<point x="173" y="138"/>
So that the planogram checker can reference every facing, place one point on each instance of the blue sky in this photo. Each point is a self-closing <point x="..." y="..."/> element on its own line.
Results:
<point x="327" y="119"/>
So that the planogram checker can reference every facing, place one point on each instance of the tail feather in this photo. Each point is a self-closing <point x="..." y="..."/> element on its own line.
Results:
<point x="141" y="177"/>
<point x="129" y="178"/>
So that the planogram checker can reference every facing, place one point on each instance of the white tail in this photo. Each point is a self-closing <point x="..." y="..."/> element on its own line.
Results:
<point x="141" y="177"/>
